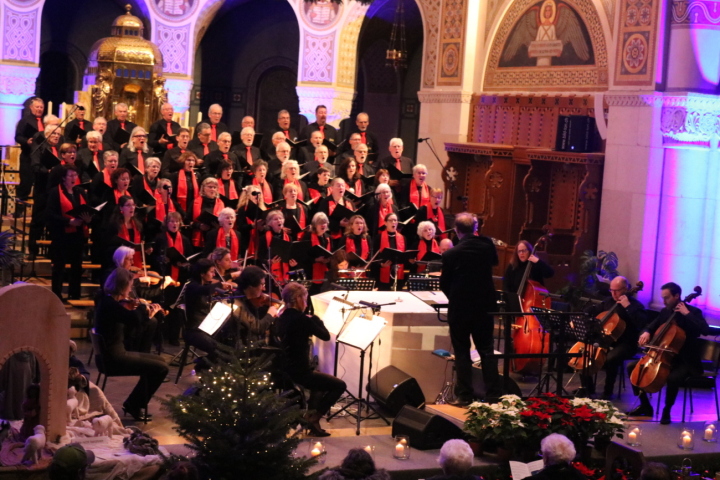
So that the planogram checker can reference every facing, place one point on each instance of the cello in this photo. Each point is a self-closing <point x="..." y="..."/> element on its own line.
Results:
<point x="528" y="334"/>
<point x="651" y="372"/>
<point x="612" y="327"/>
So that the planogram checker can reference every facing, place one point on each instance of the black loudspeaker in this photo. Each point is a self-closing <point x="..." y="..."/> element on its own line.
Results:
<point x="392" y="389"/>
<point x="425" y="430"/>
<point x="576" y="133"/>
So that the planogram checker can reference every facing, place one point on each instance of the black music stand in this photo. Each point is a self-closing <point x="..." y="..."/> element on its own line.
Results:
<point x="423" y="284"/>
<point x="363" y="284"/>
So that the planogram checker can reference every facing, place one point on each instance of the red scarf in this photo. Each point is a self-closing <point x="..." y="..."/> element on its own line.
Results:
<point x="319" y="269"/>
<point x="65" y="206"/>
<point x="197" y="237"/>
<point x="299" y="189"/>
<point x="419" y="202"/>
<point x="422" y="250"/>
<point x="383" y="212"/>
<point x="106" y="178"/>
<point x="232" y="195"/>
<point x="364" y="247"/>
<point x="118" y="194"/>
<point x="359" y="187"/>
<point x="438" y="218"/>
<point x="140" y="162"/>
<point x="174" y="271"/>
<point x="182" y="191"/>
<point x="234" y="244"/>
<point x="159" y="205"/>
<point x="281" y="271"/>
<point x="267" y="193"/>
<point x="125" y="234"/>
<point x="400" y="245"/>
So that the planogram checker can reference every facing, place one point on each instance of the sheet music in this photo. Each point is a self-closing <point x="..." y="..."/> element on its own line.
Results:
<point x="520" y="470"/>
<point x="362" y="330"/>
<point x="215" y="319"/>
<point x="431" y="297"/>
<point x="334" y="318"/>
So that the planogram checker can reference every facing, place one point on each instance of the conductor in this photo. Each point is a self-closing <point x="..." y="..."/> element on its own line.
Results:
<point x="467" y="281"/>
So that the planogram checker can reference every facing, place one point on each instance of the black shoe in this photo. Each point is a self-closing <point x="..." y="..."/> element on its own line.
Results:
<point x="314" y="430"/>
<point x="460" y="402"/>
<point x="665" y="418"/>
<point x="641" y="411"/>
<point x="136" y="413"/>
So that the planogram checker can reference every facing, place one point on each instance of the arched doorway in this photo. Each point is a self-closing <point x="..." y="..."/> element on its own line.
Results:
<point x="276" y="91"/>
<point x="245" y="41"/>
<point x="390" y="96"/>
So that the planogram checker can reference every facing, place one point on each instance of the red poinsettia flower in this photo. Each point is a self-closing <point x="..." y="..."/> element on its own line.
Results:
<point x="584" y="412"/>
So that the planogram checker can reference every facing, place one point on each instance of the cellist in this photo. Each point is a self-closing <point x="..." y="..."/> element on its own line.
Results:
<point x="688" y="360"/>
<point x="630" y="311"/>
<point x="516" y="268"/>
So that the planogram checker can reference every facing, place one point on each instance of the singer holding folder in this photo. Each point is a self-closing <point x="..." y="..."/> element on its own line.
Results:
<point x="68" y="234"/>
<point x="294" y="329"/>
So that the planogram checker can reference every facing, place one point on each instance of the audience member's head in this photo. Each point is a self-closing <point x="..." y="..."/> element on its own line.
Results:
<point x="357" y="464"/>
<point x="70" y="462"/>
<point x="182" y="471"/>
<point x="456" y="457"/>
<point x="655" y="471"/>
<point x="557" y="449"/>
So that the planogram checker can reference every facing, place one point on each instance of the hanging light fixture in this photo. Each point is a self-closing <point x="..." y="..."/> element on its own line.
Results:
<point x="396" y="54"/>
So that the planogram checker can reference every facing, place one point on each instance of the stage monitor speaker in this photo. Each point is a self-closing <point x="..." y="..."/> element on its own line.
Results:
<point x="576" y="133"/>
<point x="426" y="430"/>
<point x="392" y="389"/>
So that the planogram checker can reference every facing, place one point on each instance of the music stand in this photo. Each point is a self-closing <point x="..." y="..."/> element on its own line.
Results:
<point x="421" y="283"/>
<point x="363" y="284"/>
<point x="360" y="332"/>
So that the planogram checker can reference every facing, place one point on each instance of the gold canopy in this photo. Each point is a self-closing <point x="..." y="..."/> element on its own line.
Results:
<point x="127" y="69"/>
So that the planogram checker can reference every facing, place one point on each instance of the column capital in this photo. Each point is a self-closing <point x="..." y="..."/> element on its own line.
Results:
<point x="338" y="101"/>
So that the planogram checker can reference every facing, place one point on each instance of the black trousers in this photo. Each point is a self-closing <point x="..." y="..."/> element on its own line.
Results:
<point x="202" y="340"/>
<point x="27" y="177"/>
<point x="67" y="249"/>
<point x="152" y="371"/>
<point x="679" y="372"/>
<point x="325" y="389"/>
<point x="613" y="363"/>
<point x="480" y="329"/>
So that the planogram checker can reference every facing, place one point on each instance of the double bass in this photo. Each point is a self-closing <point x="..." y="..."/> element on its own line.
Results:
<point x="612" y="327"/>
<point x="528" y="334"/>
<point x="651" y="372"/>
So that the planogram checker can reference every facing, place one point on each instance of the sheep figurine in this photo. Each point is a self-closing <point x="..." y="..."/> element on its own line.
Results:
<point x="103" y="426"/>
<point x="34" y="445"/>
<point x="72" y="404"/>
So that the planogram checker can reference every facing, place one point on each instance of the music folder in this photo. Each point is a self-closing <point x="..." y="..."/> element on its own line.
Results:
<point x="289" y="250"/>
<point x="29" y="131"/>
<point x="218" y="315"/>
<point x="359" y="198"/>
<point x="146" y="198"/>
<point x="396" y="256"/>
<point x="75" y="133"/>
<point x="48" y="159"/>
<point x="318" y="251"/>
<point x="207" y="218"/>
<point x="340" y="213"/>
<point x="407" y="214"/>
<point x="431" y="257"/>
<point x="177" y="257"/>
<point x="82" y="209"/>
<point x="230" y="203"/>
<point x="121" y="136"/>
<point x="396" y="174"/>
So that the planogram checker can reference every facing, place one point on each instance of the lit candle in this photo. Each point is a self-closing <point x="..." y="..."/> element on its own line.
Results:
<point x="368" y="448"/>
<point x="632" y="436"/>
<point x="709" y="433"/>
<point x="315" y="452"/>
<point x="403" y="441"/>
<point x="318" y="446"/>
<point x="400" y="449"/>
<point x="686" y="440"/>
<point x="49" y="109"/>
<point x="199" y="117"/>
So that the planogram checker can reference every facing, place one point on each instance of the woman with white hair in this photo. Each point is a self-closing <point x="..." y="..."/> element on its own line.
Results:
<point x="558" y="453"/>
<point x="417" y="191"/>
<point x="319" y="236"/>
<point x="225" y="236"/>
<point x="426" y="244"/>
<point x="275" y="221"/>
<point x="145" y="189"/>
<point x="136" y="152"/>
<point x="290" y="173"/>
<point x="456" y="458"/>
<point x="208" y="201"/>
<point x="381" y="208"/>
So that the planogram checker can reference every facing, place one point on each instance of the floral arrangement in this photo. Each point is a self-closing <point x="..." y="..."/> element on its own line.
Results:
<point x="526" y="422"/>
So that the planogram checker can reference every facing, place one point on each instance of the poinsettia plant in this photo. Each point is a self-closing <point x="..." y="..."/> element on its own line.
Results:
<point x="526" y="422"/>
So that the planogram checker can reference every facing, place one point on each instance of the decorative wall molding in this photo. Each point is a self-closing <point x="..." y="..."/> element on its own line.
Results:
<point x="17" y="83"/>
<point x="694" y="13"/>
<point x="337" y="100"/>
<point x="173" y="42"/>
<point x="431" y="20"/>
<point x="317" y="57"/>
<point x="452" y="42"/>
<point x="637" y="39"/>
<point x="445" y="97"/>
<point x="19" y="35"/>
<point x="653" y="99"/>
<point x="346" y="64"/>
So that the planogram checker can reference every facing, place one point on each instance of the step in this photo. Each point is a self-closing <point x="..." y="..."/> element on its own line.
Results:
<point x="85" y="285"/>
<point x="82" y="303"/>
<point x="87" y="266"/>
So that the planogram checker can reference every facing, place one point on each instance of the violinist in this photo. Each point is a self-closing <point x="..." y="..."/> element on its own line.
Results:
<point x="225" y="236"/>
<point x="68" y="235"/>
<point x="632" y="312"/>
<point x="226" y="270"/>
<point x="294" y="330"/>
<point x="198" y="303"/>
<point x="257" y="310"/>
<point x="687" y="362"/>
<point x="111" y="318"/>
<point x="515" y="270"/>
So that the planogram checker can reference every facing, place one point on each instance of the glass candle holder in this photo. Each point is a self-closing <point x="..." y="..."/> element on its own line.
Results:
<point x="710" y="433"/>
<point x="633" y="435"/>
<point x="686" y="441"/>
<point x="316" y="448"/>
<point x="371" y="450"/>
<point x="401" y="449"/>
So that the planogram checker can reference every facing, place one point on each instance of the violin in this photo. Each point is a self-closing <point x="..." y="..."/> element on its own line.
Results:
<point x="265" y="300"/>
<point x="612" y="327"/>
<point x="528" y="334"/>
<point x="652" y="371"/>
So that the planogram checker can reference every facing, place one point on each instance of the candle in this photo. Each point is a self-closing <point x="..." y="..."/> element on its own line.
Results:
<point x="709" y="433"/>
<point x="400" y="450"/>
<point x="199" y="117"/>
<point x="315" y="452"/>
<point x="403" y="441"/>
<point x="49" y="108"/>
<point x="368" y="449"/>
<point x="686" y="440"/>
<point x="632" y="436"/>
<point x="318" y="446"/>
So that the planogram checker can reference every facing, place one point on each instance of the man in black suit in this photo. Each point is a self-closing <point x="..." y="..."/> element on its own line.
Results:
<point x="81" y="123"/>
<point x="92" y="156"/>
<point x="223" y="154"/>
<point x="215" y="113"/>
<point x="283" y="125"/>
<point x="307" y="153"/>
<point x="162" y="130"/>
<point x="246" y="152"/>
<point x="348" y="150"/>
<point x="169" y="160"/>
<point x="362" y="122"/>
<point x="120" y="121"/>
<point x="26" y="128"/>
<point x="203" y="144"/>
<point x="320" y="124"/>
<point x="467" y="281"/>
<point x="268" y="151"/>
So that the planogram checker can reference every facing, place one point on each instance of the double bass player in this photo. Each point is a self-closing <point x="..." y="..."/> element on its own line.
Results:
<point x="687" y="362"/>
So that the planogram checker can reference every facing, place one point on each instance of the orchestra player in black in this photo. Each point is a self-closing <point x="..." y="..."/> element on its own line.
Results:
<point x="516" y="268"/>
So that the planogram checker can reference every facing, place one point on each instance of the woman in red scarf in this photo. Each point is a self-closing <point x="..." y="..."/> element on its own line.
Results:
<point x="327" y="206"/>
<point x="259" y="179"/>
<point x="150" y="183"/>
<point x="417" y="191"/>
<point x="124" y="226"/>
<point x="225" y="236"/>
<point x="382" y="207"/>
<point x="390" y="238"/>
<point x="426" y="243"/>
<point x="251" y="205"/>
<point x="68" y="234"/>
<point x="227" y="186"/>
<point x="434" y="212"/>
<point x="348" y="171"/>
<point x="68" y="157"/>
<point x="357" y="239"/>
<point x="280" y="270"/>
<point x="320" y="187"/>
<point x="294" y="209"/>
<point x="291" y="174"/>
<point x="208" y="201"/>
<point x="185" y="186"/>
<point x="319" y="236"/>
<point x="102" y="180"/>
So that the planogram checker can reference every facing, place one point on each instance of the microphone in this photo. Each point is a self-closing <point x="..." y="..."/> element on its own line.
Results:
<point x="420" y="140"/>
<point x="372" y="305"/>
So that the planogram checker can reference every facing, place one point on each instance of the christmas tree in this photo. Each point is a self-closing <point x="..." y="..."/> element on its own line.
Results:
<point x="238" y="426"/>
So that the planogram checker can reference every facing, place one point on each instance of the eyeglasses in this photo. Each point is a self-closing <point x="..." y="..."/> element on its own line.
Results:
<point x="522" y="251"/>
<point x="139" y="136"/>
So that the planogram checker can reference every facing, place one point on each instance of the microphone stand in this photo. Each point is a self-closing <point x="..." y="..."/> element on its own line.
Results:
<point x="429" y="143"/>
